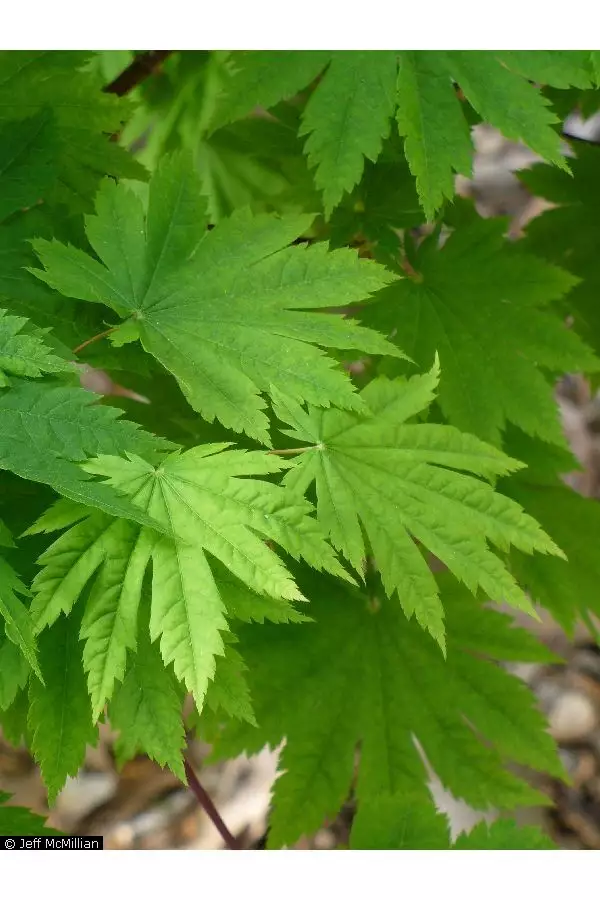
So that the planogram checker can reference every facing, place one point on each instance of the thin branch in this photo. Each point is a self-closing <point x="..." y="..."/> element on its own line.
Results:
<point x="141" y="68"/>
<point x="209" y="808"/>
<point x="93" y="339"/>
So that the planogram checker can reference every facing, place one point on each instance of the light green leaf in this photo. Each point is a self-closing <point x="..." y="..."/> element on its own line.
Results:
<point x="213" y="513"/>
<point x="395" y="481"/>
<point x="197" y="316"/>
<point x="109" y="625"/>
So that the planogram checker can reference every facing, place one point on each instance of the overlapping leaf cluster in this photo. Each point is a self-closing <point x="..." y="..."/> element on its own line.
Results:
<point x="270" y="258"/>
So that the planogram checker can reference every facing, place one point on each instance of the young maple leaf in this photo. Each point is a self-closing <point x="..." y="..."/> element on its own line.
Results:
<point x="349" y="112"/>
<point x="213" y="512"/>
<point x="466" y="302"/>
<point x="396" y="481"/>
<point x="223" y="310"/>
<point x="362" y="673"/>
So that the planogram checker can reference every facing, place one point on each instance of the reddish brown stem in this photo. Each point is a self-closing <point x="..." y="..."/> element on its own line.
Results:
<point x="209" y="808"/>
<point x="93" y="339"/>
<point x="141" y="68"/>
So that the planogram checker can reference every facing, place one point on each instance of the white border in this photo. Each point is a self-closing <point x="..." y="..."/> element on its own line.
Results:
<point x="297" y="875"/>
<point x="295" y="24"/>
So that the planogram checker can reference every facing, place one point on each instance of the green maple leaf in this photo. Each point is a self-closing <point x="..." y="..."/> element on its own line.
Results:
<point x="399" y="823"/>
<point x="193" y="295"/>
<point x="568" y="234"/>
<point x="14" y="672"/>
<point x="555" y="68"/>
<point x="247" y="605"/>
<point x="255" y="163"/>
<point x="363" y="673"/>
<point x="347" y="119"/>
<point x="59" y="121"/>
<point x="229" y="692"/>
<point x="21" y="821"/>
<point x="60" y="714"/>
<point x="13" y="719"/>
<point x="496" y="85"/>
<point x="27" y="169"/>
<point x="17" y="621"/>
<point x="394" y="823"/>
<point x="565" y="589"/>
<point x="146" y="708"/>
<point x="200" y="497"/>
<point x="48" y="428"/>
<point x="466" y="302"/>
<point x="396" y="481"/>
<point x="63" y="321"/>
<point x="348" y="114"/>
<point x="384" y="202"/>
<point x="121" y="553"/>
<point x="24" y="354"/>
<point x="504" y="835"/>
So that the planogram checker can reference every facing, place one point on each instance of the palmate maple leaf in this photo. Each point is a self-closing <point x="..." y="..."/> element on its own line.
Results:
<point x="396" y="481"/>
<point x="466" y="302"/>
<point x="213" y="512"/>
<point x="224" y="310"/>
<point x="349" y="113"/>
<point x="362" y="673"/>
